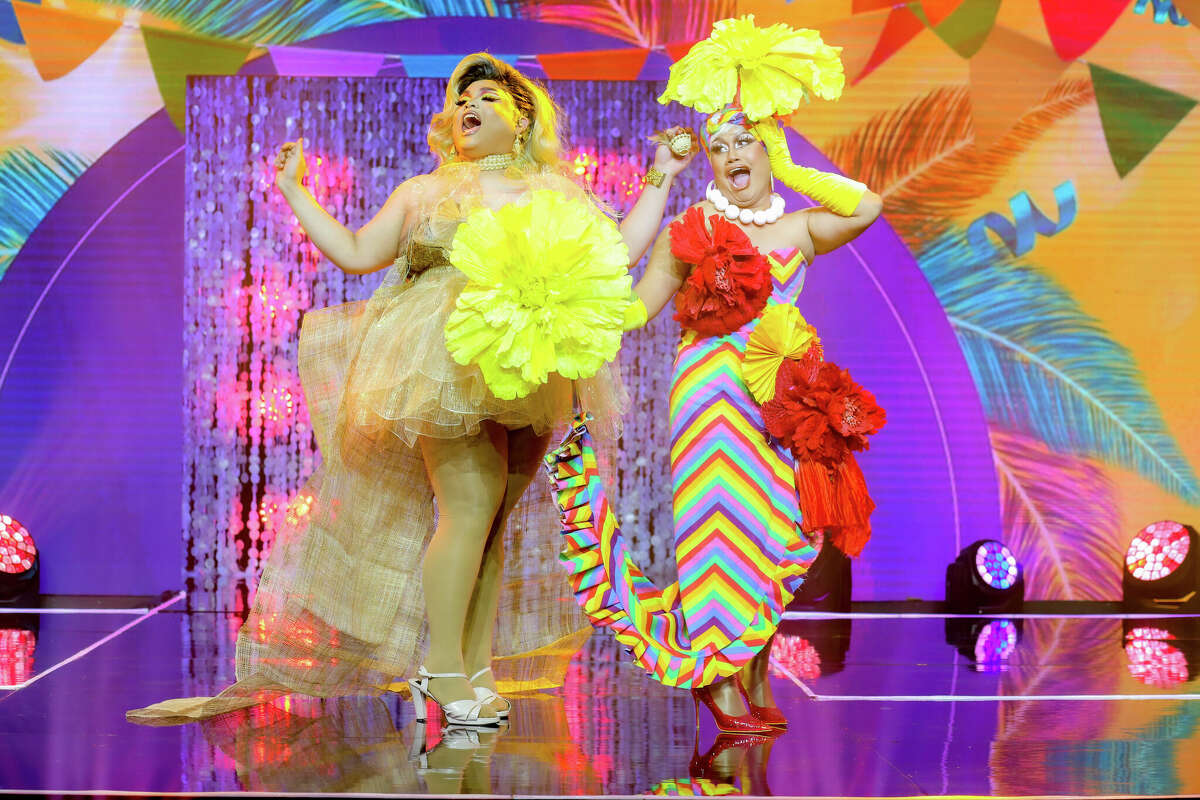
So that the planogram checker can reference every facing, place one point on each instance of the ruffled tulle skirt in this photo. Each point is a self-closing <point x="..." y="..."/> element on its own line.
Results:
<point x="403" y="379"/>
<point x="339" y="609"/>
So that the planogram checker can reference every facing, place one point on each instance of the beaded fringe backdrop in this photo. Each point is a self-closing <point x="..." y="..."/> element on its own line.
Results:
<point x="251" y="274"/>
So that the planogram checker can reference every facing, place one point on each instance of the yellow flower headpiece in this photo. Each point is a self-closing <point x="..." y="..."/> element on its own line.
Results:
<point x="771" y="70"/>
<point x="781" y="333"/>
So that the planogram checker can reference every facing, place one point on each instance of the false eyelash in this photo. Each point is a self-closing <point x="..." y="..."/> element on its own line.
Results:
<point x="488" y="98"/>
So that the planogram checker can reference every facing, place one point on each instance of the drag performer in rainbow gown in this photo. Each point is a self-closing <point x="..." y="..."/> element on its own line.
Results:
<point x="762" y="428"/>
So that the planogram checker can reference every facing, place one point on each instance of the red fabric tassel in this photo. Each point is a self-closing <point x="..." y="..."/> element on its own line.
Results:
<point x="834" y="498"/>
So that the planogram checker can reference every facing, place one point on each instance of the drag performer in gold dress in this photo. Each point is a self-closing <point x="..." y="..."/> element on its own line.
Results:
<point x="432" y="404"/>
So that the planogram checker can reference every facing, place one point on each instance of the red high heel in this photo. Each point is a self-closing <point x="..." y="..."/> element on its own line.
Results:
<point x="765" y="714"/>
<point x="727" y="723"/>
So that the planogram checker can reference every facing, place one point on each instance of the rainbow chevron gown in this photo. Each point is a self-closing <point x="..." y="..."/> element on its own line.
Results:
<point x="738" y="546"/>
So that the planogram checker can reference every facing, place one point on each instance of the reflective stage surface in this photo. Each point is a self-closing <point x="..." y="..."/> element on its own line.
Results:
<point x="879" y="706"/>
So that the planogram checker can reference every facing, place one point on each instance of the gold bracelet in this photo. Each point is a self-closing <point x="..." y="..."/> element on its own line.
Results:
<point x="654" y="177"/>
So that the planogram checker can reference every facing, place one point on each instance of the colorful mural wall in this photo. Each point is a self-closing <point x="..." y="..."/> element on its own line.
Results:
<point x="1027" y="307"/>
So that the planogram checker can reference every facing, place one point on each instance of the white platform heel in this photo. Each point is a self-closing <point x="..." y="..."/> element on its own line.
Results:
<point x="458" y="712"/>
<point x="486" y="695"/>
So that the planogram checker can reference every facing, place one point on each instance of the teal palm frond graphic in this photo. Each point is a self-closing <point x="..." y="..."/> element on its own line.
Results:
<point x="1046" y="369"/>
<point x="285" y="21"/>
<point x="30" y="184"/>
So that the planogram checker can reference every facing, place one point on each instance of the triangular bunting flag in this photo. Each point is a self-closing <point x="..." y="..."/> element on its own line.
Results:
<point x="1191" y="10"/>
<point x="966" y="27"/>
<point x="441" y="65"/>
<point x="856" y="36"/>
<point x="1076" y="25"/>
<point x="1135" y="115"/>
<point x="609" y="65"/>
<point x="1009" y="74"/>
<point x="677" y="50"/>
<point x="325" y="63"/>
<point x="529" y="66"/>
<point x="174" y="56"/>
<point x="657" y="67"/>
<point x="862" y="6"/>
<point x="901" y="26"/>
<point x="10" y="31"/>
<point x="798" y="15"/>
<point x="59" y="41"/>
<point x="937" y="10"/>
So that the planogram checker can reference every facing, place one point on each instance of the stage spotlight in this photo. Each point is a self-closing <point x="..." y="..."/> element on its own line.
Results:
<point x="810" y="648"/>
<point x="1160" y="569"/>
<point x="827" y="583"/>
<point x="1163" y="653"/>
<point x="985" y="579"/>
<point x="19" y="563"/>
<point x="987" y="644"/>
<point x="18" y="641"/>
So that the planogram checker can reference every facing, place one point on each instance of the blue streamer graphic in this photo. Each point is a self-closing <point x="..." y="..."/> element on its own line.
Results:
<point x="1028" y="221"/>
<point x="1162" y="9"/>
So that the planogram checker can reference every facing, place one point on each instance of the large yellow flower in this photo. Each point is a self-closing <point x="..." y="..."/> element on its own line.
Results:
<point x="549" y="285"/>
<point x="778" y="68"/>
<point x="781" y="333"/>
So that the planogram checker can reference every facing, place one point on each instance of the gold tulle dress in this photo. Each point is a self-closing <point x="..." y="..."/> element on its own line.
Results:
<point x="339" y="609"/>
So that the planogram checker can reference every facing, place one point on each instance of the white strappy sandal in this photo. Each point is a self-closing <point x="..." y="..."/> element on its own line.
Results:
<point x="486" y="695"/>
<point x="458" y="712"/>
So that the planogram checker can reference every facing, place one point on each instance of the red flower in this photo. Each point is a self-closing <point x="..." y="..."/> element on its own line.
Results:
<point x="819" y="411"/>
<point x="730" y="281"/>
<point x="854" y="413"/>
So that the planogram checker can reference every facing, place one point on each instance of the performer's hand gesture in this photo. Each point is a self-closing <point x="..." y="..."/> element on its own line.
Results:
<point x="290" y="167"/>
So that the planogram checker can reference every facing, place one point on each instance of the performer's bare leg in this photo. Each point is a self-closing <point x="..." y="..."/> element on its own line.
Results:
<point x="754" y="676"/>
<point x="469" y="478"/>
<point x="525" y="451"/>
<point x="727" y="696"/>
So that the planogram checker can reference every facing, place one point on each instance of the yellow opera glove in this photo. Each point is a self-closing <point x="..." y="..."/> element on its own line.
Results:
<point x="636" y="315"/>
<point x="836" y="192"/>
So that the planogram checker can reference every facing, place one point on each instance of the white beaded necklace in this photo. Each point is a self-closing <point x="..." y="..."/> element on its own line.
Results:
<point x="746" y="215"/>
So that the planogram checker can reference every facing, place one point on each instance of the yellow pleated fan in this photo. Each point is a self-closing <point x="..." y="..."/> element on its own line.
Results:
<point x="781" y="333"/>
<point x="777" y="67"/>
<point x="549" y="285"/>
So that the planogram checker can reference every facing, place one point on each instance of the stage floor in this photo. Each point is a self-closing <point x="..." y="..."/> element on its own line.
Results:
<point x="881" y="704"/>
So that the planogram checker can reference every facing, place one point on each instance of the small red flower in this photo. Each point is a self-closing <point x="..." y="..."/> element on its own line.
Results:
<point x="730" y="281"/>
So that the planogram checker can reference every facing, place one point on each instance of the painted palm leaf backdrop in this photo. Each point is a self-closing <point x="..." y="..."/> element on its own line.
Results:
<point x="1058" y="392"/>
<point x="921" y="157"/>
<point x="1046" y="369"/>
<point x="30" y="184"/>
<point x="285" y="21"/>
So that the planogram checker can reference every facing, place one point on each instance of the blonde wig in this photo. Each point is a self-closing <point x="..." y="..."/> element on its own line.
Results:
<point x="541" y="141"/>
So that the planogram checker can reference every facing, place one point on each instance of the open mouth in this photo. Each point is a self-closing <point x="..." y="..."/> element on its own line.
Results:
<point x="470" y="122"/>
<point x="739" y="177"/>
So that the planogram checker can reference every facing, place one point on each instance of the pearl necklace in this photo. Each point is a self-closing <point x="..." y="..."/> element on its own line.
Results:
<point x="746" y="215"/>
<point x="495" y="161"/>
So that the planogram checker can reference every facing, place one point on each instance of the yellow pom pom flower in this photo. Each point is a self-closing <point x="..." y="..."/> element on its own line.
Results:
<point x="549" y="286"/>
<point x="777" y="68"/>
<point x="781" y="333"/>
